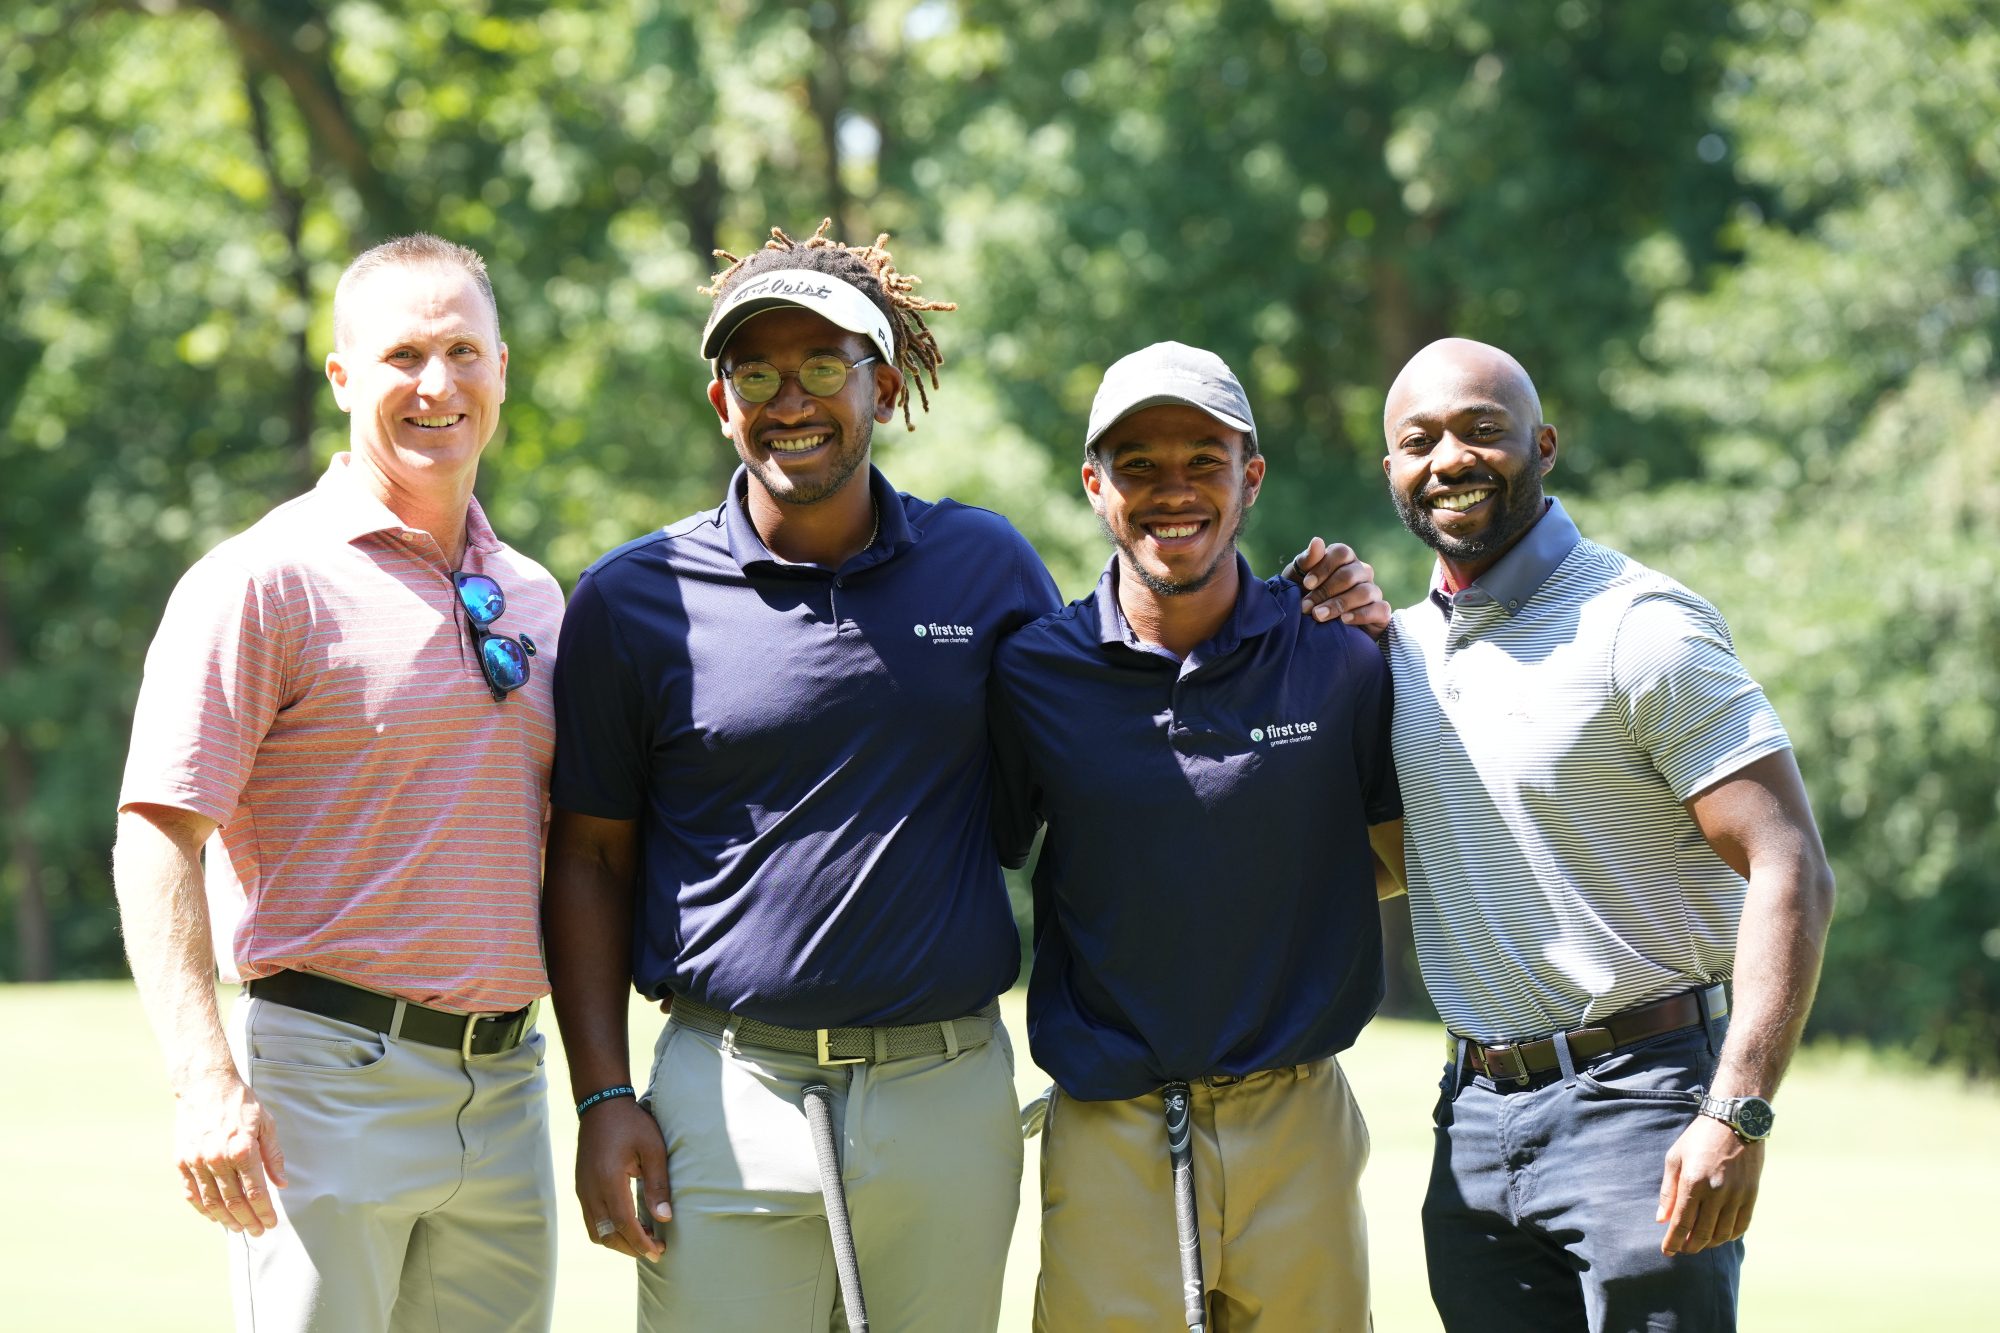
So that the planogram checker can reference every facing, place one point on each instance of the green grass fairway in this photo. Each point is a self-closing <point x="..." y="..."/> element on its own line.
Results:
<point x="1876" y="1212"/>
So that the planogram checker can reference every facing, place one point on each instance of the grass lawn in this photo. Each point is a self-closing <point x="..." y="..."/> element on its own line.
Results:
<point x="1876" y="1211"/>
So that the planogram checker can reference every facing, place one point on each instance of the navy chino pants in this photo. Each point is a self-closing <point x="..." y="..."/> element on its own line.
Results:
<point x="1539" y="1216"/>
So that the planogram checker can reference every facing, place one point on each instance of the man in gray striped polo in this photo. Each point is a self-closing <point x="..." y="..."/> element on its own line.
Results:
<point x="1605" y="823"/>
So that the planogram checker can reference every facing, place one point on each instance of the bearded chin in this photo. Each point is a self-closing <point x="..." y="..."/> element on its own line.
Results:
<point x="1160" y="587"/>
<point x="1524" y="505"/>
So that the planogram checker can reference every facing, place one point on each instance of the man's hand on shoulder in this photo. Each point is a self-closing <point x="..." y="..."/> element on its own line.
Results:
<point x="617" y="1143"/>
<point x="1709" y="1187"/>
<point x="228" y="1153"/>
<point x="1338" y="583"/>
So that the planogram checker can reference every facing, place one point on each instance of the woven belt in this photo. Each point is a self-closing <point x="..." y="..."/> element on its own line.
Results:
<point x="843" y="1046"/>
<point x="468" y="1034"/>
<point x="1517" y="1061"/>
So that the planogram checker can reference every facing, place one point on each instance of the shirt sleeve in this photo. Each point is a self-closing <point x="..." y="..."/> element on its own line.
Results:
<point x="603" y="716"/>
<point x="1689" y="703"/>
<point x="1036" y="594"/>
<point x="216" y="675"/>
<point x="1374" y="712"/>
<point x="1016" y="798"/>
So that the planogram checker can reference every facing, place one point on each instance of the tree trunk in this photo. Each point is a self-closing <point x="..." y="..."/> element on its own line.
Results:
<point x="34" y="946"/>
<point x="826" y="91"/>
<point x="289" y="206"/>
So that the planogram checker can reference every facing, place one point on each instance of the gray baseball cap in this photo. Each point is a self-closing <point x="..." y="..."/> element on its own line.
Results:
<point x="1168" y="373"/>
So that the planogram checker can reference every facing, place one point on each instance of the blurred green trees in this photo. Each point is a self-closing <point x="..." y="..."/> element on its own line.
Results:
<point x="1748" y="249"/>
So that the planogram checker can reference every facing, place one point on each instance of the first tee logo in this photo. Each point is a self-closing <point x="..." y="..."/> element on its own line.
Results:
<point x="1283" y="733"/>
<point x="946" y="633"/>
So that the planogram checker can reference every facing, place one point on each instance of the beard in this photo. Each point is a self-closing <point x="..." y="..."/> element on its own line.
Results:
<point x="1165" y="587"/>
<point x="843" y="462"/>
<point x="1521" y="505"/>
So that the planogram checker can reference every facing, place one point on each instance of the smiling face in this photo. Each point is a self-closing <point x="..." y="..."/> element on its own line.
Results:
<point x="801" y="449"/>
<point x="421" y="372"/>
<point x="1171" y="484"/>
<point x="1467" y="451"/>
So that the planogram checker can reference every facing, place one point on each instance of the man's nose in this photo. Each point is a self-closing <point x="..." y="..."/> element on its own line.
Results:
<point x="1450" y="453"/>
<point x="435" y="378"/>
<point x="791" y="402"/>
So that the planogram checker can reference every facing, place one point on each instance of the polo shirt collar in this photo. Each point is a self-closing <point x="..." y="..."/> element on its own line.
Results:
<point x="1519" y="574"/>
<point x="749" y="551"/>
<point x="1256" y="612"/>
<point x="353" y="511"/>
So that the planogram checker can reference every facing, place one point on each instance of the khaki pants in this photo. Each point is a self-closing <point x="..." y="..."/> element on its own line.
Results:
<point x="1277" y="1169"/>
<point x="930" y="1149"/>
<point x="421" y="1194"/>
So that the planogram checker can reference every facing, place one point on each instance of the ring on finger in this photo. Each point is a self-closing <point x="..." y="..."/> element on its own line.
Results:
<point x="603" y="1226"/>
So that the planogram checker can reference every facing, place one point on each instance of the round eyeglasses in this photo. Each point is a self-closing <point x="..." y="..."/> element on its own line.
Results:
<point x="820" y="376"/>
<point x="503" y="659"/>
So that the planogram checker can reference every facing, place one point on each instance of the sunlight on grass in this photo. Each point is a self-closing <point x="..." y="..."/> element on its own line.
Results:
<point x="1874" y="1213"/>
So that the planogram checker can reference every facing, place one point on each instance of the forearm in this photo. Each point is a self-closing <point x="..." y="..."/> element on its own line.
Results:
<point x="587" y="898"/>
<point x="1386" y="840"/>
<point x="156" y="871"/>
<point x="1779" y="946"/>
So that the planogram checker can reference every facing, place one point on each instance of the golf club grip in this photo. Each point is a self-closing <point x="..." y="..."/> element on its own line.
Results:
<point x="1187" y="1222"/>
<point x="819" y="1115"/>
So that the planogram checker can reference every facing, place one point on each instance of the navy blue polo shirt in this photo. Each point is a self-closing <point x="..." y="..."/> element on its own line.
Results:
<point x="1205" y="896"/>
<point x="805" y="750"/>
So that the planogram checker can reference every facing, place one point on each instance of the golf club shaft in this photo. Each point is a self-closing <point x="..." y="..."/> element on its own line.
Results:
<point x="1187" y="1222"/>
<point x="819" y="1115"/>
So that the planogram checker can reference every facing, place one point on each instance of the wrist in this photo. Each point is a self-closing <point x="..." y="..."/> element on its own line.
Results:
<point x="616" y="1092"/>
<point x="1749" y="1118"/>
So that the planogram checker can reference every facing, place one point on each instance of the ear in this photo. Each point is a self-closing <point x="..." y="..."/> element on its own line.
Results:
<point x="888" y="392"/>
<point x="336" y="375"/>
<point x="1545" y="448"/>
<point x="718" y="398"/>
<point x="1093" y="485"/>
<point x="503" y="372"/>
<point x="1253" y="479"/>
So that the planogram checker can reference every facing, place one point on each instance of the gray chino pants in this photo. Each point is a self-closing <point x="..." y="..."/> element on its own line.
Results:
<point x="1540" y="1212"/>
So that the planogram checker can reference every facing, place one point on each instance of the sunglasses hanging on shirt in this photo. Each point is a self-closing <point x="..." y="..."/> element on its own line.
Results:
<point x="503" y="659"/>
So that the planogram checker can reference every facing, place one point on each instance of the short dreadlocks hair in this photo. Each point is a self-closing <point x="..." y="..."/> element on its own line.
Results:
<point x="869" y="269"/>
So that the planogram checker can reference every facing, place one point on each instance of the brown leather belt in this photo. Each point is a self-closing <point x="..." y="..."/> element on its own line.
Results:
<point x="1517" y="1061"/>
<point x="843" y="1046"/>
<point x="468" y="1034"/>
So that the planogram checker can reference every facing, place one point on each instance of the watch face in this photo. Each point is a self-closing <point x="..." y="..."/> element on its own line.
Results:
<point x="1754" y="1117"/>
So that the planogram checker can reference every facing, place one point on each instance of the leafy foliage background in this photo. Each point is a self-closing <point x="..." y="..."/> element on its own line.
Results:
<point x="1748" y="250"/>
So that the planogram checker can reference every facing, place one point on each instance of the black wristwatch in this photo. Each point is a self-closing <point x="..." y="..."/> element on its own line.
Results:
<point x="1750" y="1117"/>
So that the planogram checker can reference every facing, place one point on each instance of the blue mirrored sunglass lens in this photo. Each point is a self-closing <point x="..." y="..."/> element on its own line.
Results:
<point x="481" y="597"/>
<point x="506" y="664"/>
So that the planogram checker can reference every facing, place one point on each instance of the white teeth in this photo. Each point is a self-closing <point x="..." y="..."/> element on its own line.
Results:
<point x="797" y="446"/>
<point x="435" y="422"/>
<point x="1460" y="503"/>
<point x="1178" y="530"/>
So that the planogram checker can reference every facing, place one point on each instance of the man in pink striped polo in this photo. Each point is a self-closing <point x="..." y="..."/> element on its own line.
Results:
<point x="347" y="709"/>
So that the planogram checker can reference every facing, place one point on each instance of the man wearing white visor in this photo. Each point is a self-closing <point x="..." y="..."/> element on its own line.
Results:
<point x="772" y="793"/>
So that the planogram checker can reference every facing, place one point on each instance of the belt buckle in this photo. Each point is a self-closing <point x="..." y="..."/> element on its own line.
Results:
<point x="825" y="1055"/>
<point x="465" y="1038"/>
<point x="1511" y="1054"/>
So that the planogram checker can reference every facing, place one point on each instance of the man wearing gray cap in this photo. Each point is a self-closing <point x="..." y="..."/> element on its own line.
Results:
<point x="771" y="791"/>
<point x="1177" y="731"/>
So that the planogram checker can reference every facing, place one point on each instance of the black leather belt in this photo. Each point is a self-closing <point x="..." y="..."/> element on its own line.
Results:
<point x="468" y="1034"/>
<point x="1519" y="1061"/>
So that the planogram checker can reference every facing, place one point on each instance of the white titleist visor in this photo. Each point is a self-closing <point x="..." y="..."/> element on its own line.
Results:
<point x="828" y="297"/>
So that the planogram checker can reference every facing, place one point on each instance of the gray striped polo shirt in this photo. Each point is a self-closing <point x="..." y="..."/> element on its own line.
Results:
<point x="1549" y="722"/>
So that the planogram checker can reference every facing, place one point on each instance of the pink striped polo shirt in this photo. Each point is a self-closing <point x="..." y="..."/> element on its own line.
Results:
<point x="314" y="690"/>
